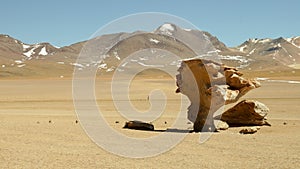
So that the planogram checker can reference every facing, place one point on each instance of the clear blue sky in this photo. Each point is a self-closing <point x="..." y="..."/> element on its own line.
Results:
<point x="62" y="22"/>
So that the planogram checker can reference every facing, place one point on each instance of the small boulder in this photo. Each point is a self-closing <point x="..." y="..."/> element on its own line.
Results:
<point x="221" y="125"/>
<point x="246" y="113"/>
<point x="139" y="125"/>
<point x="250" y="130"/>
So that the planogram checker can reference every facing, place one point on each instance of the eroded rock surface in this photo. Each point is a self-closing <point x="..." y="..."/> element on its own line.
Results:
<point x="246" y="113"/>
<point x="210" y="85"/>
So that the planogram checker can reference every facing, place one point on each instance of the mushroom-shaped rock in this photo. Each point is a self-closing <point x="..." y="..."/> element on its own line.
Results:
<point x="210" y="85"/>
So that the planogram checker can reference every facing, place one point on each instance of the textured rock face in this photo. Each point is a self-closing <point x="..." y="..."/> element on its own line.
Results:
<point x="209" y="86"/>
<point x="246" y="113"/>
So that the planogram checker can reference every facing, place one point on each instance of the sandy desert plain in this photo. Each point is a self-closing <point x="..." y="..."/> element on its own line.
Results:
<point x="38" y="128"/>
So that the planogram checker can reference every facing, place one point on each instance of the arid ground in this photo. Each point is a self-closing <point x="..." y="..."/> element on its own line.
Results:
<point x="38" y="129"/>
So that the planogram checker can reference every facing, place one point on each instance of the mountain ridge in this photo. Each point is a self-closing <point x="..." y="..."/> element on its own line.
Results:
<point x="43" y="59"/>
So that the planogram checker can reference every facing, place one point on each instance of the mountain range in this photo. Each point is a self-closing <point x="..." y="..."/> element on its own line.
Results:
<point x="18" y="59"/>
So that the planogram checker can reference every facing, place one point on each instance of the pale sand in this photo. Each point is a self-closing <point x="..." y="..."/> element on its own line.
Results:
<point x="28" y="140"/>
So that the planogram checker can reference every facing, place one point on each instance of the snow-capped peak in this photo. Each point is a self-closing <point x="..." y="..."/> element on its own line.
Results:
<point x="167" y="29"/>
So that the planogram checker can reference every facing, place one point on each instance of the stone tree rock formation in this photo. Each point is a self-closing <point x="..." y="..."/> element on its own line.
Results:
<point x="210" y="85"/>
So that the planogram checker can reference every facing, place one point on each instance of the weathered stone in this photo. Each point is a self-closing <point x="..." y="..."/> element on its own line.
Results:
<point x="221" y="125"/>
<point x="246" y="113"/>
<point x="249" y="130"/>
<point x="139" y="125"/>
<point x="209" y="86"/>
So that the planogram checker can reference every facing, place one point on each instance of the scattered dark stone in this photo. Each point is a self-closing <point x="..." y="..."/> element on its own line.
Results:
<point x="166" y="122"/>
<point x="76" y="121"/>
<point x="38" y="122"/>
<point x="50" y="121"/>
<point x="139" y="125"/>
<point x="188" y="122"/>
<point x="284" y="123"/>
<point x="117" y="122"/>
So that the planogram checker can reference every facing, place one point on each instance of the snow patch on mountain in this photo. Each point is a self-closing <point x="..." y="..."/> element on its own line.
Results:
<point x="143" y="64"/>
<point x="143" y="58"/>
<point x="43" y="51"/>
<point x="25" y="46"/>
<point x="18" y="61"/>
<point x="102" y="66"/>
<point x="31" y="51"/>
<point x="264" y="40"/>
<point x="213" y="52"/>
<point x="110" y="69"/>
<point x="241" y="59"/>
<point x="278" y="45"/>
<point x="116" y="55"/>
<point x="254" y="40"/>
<point x="77" y="65"/>
<point x="292" y="41"/>
<point x="242" y="48"/>
<point x="188" y="30"/>
<point x="21" y="65"/>
<point x="251" y="52"/>
<point x="124" y="64"/>
<point x="244" y="62"/>
<point x="154" y="40"/>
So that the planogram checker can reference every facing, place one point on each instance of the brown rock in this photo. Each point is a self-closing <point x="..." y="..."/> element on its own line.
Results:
<point x="245" y="113"/>
<point x="139" y="125"/>
<point x="209" y="86"/>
